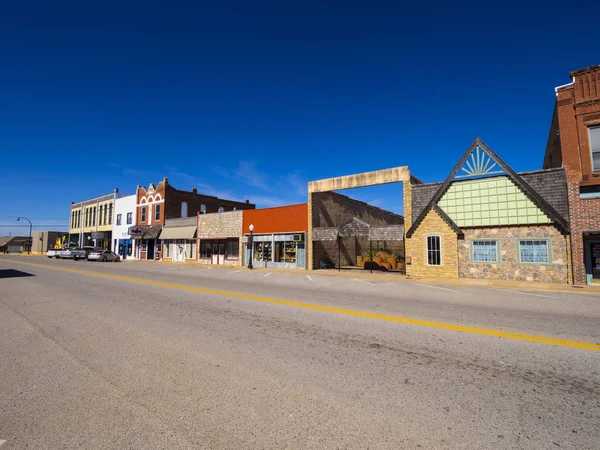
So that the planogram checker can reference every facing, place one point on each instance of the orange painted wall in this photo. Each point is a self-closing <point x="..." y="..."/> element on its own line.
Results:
<point x="282" y="219"/>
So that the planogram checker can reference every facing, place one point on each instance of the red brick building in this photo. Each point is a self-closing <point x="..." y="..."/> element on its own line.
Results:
<point x="574" y="143"/>
<point x="157" y="203"/>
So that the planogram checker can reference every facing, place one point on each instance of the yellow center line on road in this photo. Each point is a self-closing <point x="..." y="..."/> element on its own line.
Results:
<point x="348" y="312"/>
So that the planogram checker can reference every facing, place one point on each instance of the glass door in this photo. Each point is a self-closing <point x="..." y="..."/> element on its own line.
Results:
<point x="221" y="253"/>
<point x="215" y="253"/>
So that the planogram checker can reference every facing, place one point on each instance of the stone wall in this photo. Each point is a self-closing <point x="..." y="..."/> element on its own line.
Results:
<point x="509" y="267"/>
<point x="220" y="225"/>
<point x="416" y="248"/>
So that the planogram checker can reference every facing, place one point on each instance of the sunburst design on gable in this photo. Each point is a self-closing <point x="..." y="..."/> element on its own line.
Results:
<point x="478" y="164"/>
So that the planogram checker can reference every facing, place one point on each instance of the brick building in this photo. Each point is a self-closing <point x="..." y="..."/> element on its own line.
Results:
<point x="158" y="203"/>
<point x="485" y="221"/>
<point x="574" y="144"/>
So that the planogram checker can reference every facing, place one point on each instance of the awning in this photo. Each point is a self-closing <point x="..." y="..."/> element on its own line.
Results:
<point x="144" y="232"/>
<point x="178" y="232"/>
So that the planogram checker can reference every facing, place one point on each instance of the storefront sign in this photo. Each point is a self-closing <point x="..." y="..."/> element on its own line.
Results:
<point x="136" y="230"/>
<point x="97" y="235"/>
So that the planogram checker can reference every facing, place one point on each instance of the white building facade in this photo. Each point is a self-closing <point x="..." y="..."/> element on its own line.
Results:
<point x="125" y="217"/>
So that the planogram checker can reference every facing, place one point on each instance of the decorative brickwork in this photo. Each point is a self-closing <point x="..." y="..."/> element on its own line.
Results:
<point x="577" y="108"/>
<point x="433" y="225"/>
<point x="508" y="266"/>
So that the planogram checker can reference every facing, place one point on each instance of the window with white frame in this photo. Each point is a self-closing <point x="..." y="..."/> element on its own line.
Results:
<point x="534" y="251"/>
<point x="434" y="251"/>
<point x="484" y="251"/>
<point x="595" y="146"/>
<point x="129" y="218"/>
<point x="143" y="214"/>
<point x="157" y="212"/>
<point x="119" y="219"/>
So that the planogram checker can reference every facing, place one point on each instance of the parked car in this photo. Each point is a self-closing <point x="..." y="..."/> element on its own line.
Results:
<point x="65" y="253"/>
<point x="103" y="255"/>
<point x="75" y="253"/>
<point x="83" y="252"/>
<point x="53" y="253"/>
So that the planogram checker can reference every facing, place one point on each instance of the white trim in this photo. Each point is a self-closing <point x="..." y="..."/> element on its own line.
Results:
<point x="427" y="252"/>
<point x="149" y="203"/>
<point x="564" y="85"/>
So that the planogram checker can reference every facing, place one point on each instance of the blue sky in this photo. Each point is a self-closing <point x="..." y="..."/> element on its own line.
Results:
<point x="255" y="99"/>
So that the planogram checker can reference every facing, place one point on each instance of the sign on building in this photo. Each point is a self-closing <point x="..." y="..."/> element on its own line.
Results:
<point x="97" y="235"/>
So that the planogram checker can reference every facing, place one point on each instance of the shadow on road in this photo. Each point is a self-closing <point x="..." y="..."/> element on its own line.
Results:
<point x="12" y="273"/>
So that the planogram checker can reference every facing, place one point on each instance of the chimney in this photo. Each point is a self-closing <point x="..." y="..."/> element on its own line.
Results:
<point x="247" y="202"/>
<point x="166" y="180"/>
<point x="194" y="191"/>
<point x="116" y="190"/>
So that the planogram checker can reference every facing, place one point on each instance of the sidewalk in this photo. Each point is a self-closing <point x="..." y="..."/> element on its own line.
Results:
<point x="399" y="278"/>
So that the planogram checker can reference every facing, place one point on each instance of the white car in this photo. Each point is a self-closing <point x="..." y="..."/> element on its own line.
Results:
<point x="103" y="255"/>
<point x="53" y="253"/>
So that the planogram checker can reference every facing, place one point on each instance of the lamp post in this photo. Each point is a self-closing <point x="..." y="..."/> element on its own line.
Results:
<point x="30" y="226"/>
<point x="251" y="246"/>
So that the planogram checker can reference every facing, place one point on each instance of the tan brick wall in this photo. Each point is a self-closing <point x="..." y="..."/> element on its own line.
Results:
<point x="220" y="225"/>
<point x="416" y="249"/>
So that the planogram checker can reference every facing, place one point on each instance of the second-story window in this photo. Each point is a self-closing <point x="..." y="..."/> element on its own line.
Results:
<point x="157" y="212"/>
<point x="105" y="214"/>
<point x="595" y="146"/>
<point x="110" y="214"/>
<point x="118" y="219"/>
<point x="184" y="209"/>
<point x="94" y="217"/>
<point x="143" y="215"/>
<point x="129" y="218"/>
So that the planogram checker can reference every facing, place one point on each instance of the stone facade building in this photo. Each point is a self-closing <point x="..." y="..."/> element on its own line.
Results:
<point x="574" y="144"/>
<point x="219" y="236"/>
<point x="485" y="221"/>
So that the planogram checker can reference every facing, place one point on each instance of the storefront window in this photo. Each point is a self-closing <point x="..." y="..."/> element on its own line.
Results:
<point x="262" y="251"/>
<point x="290" y="252"/>
<point x="232" y="248"/>
<point x="206" y="248"/>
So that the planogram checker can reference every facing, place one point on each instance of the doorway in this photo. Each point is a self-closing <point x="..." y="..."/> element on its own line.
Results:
<point x="592" y="261"/>
<point x="218" y="252"/>
<point x="150" y="251"/>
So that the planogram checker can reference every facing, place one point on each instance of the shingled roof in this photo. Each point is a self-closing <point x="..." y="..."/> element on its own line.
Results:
<point x="546" y="188"/>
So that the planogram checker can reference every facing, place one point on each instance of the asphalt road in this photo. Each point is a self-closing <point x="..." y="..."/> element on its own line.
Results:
<point x="134" y="355"/>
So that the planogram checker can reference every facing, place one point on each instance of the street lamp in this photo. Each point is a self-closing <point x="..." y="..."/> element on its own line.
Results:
<point x="30" y="226"/>
<point x="251" y="246"/>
